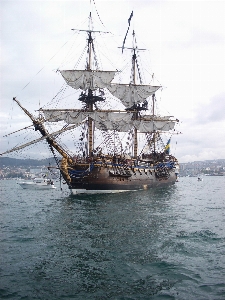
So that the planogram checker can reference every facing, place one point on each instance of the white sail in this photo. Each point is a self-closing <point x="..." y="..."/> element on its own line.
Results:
<point x="83" y="79"/>
<point x="154" y="125"/>
<point x="121" y="121"/>
<point x="70" y="117"/>
<point x="103" y="120"/>
<point x="130" y="94"/>
<point x="113" y="121"/>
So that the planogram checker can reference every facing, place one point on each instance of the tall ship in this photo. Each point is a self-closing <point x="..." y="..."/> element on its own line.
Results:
<point x="115" y="150"/>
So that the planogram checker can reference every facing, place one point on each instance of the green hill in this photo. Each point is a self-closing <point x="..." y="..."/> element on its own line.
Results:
<point x="13" y="162"/>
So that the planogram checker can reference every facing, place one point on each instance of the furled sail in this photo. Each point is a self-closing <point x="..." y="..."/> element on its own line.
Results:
<point x="131" y="94"/>
<point x="83" y="79"/>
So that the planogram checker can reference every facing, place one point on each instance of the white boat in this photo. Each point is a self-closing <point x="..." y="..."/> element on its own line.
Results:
<point x="38" y="184"/>
<point x="200" y="179"/>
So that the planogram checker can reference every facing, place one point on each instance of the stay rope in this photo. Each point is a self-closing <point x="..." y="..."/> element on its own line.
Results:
<point x="45" y="65"/>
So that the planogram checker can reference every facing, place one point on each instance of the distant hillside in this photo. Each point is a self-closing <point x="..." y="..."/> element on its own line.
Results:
<point x="11" y="162"/>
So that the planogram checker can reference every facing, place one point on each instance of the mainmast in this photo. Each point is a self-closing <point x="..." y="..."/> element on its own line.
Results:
<point x="90" y="94"/>
<point x="88" y="97"/>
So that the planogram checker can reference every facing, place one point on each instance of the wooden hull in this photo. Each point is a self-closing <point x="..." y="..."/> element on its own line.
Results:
<point x="104" y="179"/>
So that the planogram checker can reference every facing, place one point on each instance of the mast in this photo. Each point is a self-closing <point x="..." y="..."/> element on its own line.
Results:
<point x="91" y="81"/>
<point x="90" y="104"/>
<point x="38" y="125"/>
<point x="153" y="114"/>
<point x="135" y="107"/>
<point x="134" y="57"/>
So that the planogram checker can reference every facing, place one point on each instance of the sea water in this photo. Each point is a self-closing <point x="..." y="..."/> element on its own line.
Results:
<point x="163" y="243"/>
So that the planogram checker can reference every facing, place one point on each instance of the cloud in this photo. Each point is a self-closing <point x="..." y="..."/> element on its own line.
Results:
<point x="186" y="41"/>
<point x="214" y="111"/>
<point x="200" y="141"/>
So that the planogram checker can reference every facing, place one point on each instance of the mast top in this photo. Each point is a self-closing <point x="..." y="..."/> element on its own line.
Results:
<point x="90" y="31"/>
<point x="133" y="48"/>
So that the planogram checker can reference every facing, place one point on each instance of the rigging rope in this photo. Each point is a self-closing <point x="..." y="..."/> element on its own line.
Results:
<point x="98" y="13"/>
<point x="45" y="64"/>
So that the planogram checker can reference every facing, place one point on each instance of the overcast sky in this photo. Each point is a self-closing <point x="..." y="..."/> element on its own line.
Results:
<point x="186" y="42"/>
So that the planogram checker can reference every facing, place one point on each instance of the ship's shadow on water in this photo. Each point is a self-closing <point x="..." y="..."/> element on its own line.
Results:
<point x="162" y="192"/>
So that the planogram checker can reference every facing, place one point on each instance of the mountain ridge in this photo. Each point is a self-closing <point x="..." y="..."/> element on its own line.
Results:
<point x="10" y="162"/>
<point x="15" y="162"/>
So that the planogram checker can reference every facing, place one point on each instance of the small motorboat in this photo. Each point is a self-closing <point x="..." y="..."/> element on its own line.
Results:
<point x="200" y="179"/>
<point x="38" y="184"/>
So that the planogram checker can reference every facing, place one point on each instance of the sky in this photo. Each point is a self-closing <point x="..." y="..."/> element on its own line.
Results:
<point x="186" y="51"/>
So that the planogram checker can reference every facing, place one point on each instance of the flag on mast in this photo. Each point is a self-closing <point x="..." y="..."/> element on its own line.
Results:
<point x="131" y="15"/>
<point x="167" y="148"/>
